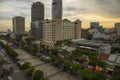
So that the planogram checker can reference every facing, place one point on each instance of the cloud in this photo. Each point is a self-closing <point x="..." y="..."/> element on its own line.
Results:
<point x="86" y="10"/>
<point x="4" y="18"/>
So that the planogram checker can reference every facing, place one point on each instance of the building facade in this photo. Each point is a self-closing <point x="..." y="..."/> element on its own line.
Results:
<point x="93" y="46"/>
<point x="56" y="9"/>
<point x="117" y="28"/>
<point x="48" y="32"/>
<point x="37" y="17"/>
<point x="37" y="12"/>
<point x="19" y="25"/>
<point x="37" y="29"/>
<point x="54" y="31"/>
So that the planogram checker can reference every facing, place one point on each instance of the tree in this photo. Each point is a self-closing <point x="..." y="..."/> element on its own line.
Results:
<point x="30" y="70"/>
<point x="116" y="77"/>
<point x="38" y="75"/>
<point x="53" y="59"/>
<point x="99" y="76"/>
<point x="54" y="51"/>
<point x="75" y="67"/>
<point x="87" y="74"/>
<point x="26" y="65"/>
<point x="11" y="52"/>
<point x="117" y="73"/>
<point x="65" y="53"/>
<point x="94" y="61"/>
<point x="67" y="65"/>
<point x="76" y="55"/>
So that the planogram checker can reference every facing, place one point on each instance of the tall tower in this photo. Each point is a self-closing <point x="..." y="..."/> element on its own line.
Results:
<point x="18" y="25"/>
<point x="56" y="9"/>
<point x="37" y="12"/>
<point x="37" y="16"/>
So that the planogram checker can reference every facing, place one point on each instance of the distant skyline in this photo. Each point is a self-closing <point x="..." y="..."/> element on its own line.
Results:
<point x="104" y="11"/>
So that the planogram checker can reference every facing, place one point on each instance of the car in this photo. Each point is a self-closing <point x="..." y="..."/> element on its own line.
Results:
<point x="9" y="78"/>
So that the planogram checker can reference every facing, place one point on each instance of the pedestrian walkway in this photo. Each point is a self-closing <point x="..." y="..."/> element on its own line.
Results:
<point x="50" y="71"/>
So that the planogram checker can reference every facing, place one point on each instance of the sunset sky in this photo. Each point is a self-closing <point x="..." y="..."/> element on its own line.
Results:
<point x="107" y="12"/>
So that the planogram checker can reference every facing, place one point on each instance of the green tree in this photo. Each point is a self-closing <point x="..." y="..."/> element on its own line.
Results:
<point x="117" y="73"/>
<point x="53" y="59"/>
<point x="99" y="76"/>
<point x="67" y="65"/>
<point x="76" y="55"/>
<point x="26" y="65"/>
<point x="30" y="70"/>
<point x="65" y="53"/>
<point x="38" y="75"/>
<point x="75" y="67"/>
<point x="87" y="74"/>
<point x="54" y="51"/>
<point x="11" y="52"/>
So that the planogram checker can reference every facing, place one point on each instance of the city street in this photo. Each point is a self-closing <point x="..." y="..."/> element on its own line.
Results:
<point x="17" y="74"/>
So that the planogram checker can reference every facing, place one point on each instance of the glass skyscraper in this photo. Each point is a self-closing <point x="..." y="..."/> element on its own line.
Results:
<point x="56" y="9"/>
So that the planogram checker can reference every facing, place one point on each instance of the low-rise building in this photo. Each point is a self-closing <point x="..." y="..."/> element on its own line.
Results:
<point x="93" y="46"/>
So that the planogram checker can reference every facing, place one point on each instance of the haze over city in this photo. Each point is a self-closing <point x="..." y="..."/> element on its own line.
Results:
<point x="104" y="11"/>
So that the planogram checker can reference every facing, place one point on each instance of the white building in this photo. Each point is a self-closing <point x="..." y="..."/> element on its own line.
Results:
<point x="67" y="30"/>
<point x="54" y="31"/>
<point x="48" y="32"/>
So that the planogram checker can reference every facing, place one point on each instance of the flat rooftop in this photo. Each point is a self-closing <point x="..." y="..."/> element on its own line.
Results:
<point x="91" y="43"/>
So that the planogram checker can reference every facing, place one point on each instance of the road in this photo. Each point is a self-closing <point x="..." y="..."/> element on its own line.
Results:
<point x="18" y="74"/>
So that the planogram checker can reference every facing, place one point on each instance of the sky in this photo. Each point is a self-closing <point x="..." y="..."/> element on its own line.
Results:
<point x="107" y="12"/>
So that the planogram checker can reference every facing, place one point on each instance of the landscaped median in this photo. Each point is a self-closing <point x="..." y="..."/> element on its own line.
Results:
<point x="31" y="72"/>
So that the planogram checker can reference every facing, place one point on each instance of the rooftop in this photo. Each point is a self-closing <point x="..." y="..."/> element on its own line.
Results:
<point x="104" y="56"/>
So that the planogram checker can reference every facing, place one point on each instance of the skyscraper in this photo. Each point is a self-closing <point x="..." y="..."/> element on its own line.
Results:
<point x="37" y="12"/>
<point x="37" y="16"/>
<point x="56" y="9"/>
<point x="19" y="25"/>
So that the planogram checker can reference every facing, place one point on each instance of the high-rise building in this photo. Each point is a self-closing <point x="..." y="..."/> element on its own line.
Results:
<point x="37" y="12"/>
<point x="56" y="9"/>
<point x="19" y="25"/>
<point x="37" y="29"/>
<point x="37" y="16"/>
<point x="117" y="28"/>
